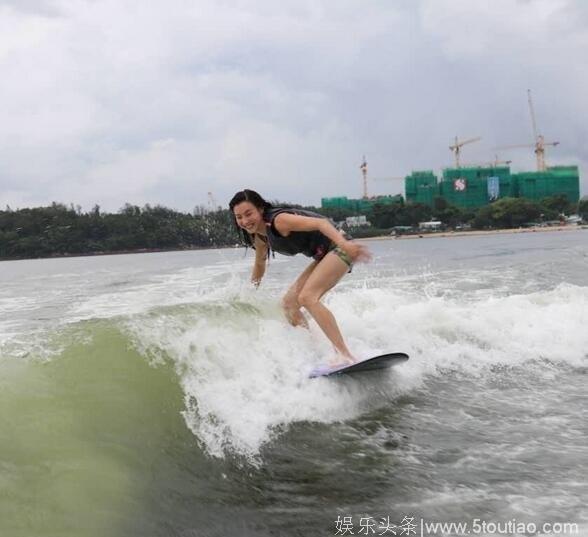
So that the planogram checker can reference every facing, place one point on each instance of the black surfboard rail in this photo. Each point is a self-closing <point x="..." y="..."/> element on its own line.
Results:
<point x="383" y="361"/>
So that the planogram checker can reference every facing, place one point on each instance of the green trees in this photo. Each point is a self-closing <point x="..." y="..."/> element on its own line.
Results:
<point x="59" y="230"/>
<point x="507" y="212"/>
<point x="514" y="212"/>
<point x="451" y="215"/>
<point x="557" y="204"/>
<point x="399" y="214"/>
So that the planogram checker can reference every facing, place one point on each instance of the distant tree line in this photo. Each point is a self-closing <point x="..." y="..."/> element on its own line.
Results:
<point x="503" y="213"/>
<point x="59" y="230"/>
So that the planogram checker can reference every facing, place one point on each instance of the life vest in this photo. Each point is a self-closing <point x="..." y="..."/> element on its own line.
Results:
<point x="310" y="243"/>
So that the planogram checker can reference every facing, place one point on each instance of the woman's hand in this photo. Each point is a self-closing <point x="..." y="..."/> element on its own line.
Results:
<point x="358" y="252"/>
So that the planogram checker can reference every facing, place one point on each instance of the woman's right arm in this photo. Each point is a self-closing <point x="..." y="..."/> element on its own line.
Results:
<point x="260" y="261"/>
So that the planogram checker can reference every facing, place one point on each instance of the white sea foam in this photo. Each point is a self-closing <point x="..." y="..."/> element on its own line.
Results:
<point x="244" y="370"/>
<point x="185" y="286"/>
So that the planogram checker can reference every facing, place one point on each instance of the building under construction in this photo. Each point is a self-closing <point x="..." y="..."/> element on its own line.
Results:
<point x="360" y="206"/>
<point x="366" y="202"/>
<point x="473" y="187"/>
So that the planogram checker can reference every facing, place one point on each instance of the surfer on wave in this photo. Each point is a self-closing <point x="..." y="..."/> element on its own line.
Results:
<point x="292" y="231"/>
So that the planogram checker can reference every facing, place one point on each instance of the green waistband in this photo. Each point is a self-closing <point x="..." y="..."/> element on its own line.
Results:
<point x="344" y="256"/>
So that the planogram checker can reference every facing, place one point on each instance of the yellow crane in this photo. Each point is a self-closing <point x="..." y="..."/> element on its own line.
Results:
<point x="496" y="162"/>
<point x="456" y="147"/>
<point x="540" y="143"/>
<point x="364" y="170"/>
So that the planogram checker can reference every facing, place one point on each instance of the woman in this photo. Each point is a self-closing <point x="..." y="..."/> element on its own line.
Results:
<point x="292" y="231"/>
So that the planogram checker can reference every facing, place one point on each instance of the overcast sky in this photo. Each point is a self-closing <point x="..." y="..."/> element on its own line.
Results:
<point x="113" y="101"/>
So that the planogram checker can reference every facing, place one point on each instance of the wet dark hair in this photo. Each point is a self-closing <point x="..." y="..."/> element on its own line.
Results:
<point x="252" y="197"/>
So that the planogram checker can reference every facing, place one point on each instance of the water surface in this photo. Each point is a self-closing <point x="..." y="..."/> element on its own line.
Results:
<point x="160" y="395"/>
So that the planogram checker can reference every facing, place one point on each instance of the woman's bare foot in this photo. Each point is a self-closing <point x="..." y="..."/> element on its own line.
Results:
<point x="340" y="360"/>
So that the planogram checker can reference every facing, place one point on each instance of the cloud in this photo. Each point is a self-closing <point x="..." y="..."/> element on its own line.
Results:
<point x="112" y="102"/>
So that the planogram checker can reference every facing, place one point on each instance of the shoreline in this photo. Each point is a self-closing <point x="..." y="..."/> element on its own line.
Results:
<point x="430" y="235"/>
<point x="478" y="233"/>
<point x="116" y="252"/>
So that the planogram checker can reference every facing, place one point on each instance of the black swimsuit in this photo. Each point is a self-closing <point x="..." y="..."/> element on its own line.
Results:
<point x="310" y="243"/>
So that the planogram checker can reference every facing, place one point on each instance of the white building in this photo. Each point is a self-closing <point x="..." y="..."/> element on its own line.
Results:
<point x="433" y="224"/>
<point x="357" y="221"/>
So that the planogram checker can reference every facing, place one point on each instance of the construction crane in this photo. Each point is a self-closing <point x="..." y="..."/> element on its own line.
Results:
<point x="497" y="162"/>
<point x="493" y="163"/>
<point x="363" y="169"/>
<point x="212" y="206"/>
<point x="456" y="147"/>
<point x="540" y="143"/>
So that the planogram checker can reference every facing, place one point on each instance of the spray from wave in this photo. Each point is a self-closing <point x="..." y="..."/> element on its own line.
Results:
<point x="243" y="370"/>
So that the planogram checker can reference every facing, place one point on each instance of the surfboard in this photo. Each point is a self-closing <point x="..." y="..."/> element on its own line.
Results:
<point x="369" y="364"/>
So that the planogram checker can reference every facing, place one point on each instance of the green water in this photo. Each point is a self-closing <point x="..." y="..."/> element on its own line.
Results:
<point x="82" y="438"/>
<point x="154" y="396"/>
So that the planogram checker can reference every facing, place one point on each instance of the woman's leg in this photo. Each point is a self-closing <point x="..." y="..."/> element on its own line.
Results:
<point x="326" y="274"/>
<point x="290" y="301"/>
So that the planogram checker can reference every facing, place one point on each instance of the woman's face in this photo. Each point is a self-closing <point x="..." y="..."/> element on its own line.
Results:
<point x="249" y="217"/>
